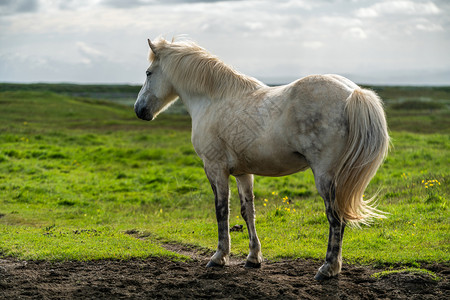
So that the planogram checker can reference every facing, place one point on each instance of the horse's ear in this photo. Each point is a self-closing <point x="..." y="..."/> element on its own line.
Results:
<point x="151" y="46"/>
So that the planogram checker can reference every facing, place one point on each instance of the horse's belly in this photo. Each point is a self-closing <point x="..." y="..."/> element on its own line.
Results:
<point x="279" y="165"/>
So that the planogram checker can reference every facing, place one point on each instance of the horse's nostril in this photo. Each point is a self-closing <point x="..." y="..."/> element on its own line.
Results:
<point x="143" y="113"/>
<point x="142" y="110"/>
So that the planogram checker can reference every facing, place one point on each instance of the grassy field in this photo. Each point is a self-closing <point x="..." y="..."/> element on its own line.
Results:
<point x="82" y="178"/>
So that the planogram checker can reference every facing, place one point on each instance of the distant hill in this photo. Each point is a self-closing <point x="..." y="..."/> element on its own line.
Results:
<point x="108" y="91"/>
<point x="69" y="88"/>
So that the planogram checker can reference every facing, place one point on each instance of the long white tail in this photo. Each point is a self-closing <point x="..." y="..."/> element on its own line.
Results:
<point x="366" y="148"/>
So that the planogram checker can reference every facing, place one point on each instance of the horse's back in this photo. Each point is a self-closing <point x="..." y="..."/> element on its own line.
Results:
<point x="318" y="89"/>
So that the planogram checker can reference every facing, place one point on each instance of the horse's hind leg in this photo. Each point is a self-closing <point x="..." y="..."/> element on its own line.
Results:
<point x="333" y="260"/>
<point x="245" y="188"/>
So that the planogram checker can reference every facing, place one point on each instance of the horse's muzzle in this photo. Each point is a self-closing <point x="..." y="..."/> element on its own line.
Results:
<point x="143" y="113"/>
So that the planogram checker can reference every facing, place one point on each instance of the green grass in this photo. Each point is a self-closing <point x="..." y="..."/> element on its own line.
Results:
<point x="77" y="174"/>
<point x="414" y="271"/>
<point x="64" y="243"/>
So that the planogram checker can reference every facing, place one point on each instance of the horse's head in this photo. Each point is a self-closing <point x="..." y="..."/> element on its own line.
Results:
<point x="157" y="92"/>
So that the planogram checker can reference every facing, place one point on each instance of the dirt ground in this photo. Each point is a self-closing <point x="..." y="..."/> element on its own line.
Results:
<point x="158" y="278"/>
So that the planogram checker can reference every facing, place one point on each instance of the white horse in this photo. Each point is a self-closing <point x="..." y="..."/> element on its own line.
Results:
<point x="242" y="127"/>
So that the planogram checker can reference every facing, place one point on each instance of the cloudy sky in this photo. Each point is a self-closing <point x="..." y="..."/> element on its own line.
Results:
<point x="374" y="42"/>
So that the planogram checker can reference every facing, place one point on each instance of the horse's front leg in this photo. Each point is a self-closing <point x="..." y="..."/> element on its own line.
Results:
<point x="219" y="183"/>
<point x="245" y="188"/>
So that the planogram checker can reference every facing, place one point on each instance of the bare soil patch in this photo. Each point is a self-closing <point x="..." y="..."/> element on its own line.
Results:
<point x="158" y="278"/>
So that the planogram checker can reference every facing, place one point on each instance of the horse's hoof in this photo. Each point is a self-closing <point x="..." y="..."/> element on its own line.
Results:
<point x="320" y="277"/>
<point x="212" y="264"/>
<point x="252" y="265"/>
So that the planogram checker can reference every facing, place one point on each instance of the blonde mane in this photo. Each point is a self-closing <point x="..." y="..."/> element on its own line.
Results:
<point x="197" y="72"/>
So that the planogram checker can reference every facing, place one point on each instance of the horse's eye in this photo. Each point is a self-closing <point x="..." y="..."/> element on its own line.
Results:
<point x="148" y="73"/>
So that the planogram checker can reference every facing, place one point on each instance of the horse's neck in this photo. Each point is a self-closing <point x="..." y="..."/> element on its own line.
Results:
<point x="201" y="106"/>
<point x="196" y="105"/>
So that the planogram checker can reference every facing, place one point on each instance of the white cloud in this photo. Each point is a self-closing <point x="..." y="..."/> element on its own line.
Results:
<point x="312" y="44"/>
<point x="429" y="27"/>
<point x="254" y="25"/>
<point x="398" y="8"/>
<point x="340" y="21"/>
<point x="88" y="52"/>
<point x="297" y="4"/>
<point x="356" y="32"/>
